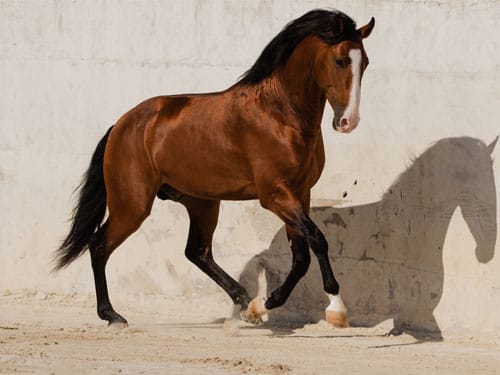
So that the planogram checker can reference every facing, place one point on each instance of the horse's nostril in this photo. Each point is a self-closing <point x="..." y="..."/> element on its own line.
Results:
<point x="343" y="122"/>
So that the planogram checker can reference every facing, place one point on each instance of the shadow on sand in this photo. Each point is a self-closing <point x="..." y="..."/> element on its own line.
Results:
<point x="388" y="255"/>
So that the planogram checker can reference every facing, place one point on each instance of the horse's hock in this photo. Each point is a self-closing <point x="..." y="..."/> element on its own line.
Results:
<point x="407" y="202"/>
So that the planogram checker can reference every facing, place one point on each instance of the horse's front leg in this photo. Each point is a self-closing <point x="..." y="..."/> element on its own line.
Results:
<point x="300" y="263"/>
<point x="303" y="234"/>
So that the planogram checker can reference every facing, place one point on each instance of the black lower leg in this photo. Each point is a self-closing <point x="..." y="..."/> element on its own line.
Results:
<point x="237" y="293"/>
<point x="99" y="257"/>
<point x="200" y="253"/>
<point x="300" y="264"/>
<point x="319" y="246"/>
<point x="203" y="215"/>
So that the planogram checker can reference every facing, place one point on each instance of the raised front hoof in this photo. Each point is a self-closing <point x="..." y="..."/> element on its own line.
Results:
<point x="337" y="318"/>
<point x="256" y="308"/>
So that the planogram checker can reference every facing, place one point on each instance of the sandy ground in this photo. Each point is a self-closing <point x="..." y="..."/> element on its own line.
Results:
<point x="61" y="335"/>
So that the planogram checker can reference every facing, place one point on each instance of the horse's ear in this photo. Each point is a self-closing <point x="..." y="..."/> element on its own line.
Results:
<point x="492" y="145"/>
<point x="366" y="30"/>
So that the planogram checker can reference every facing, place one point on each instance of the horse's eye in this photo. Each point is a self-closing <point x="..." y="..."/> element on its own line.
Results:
<point x="342" y="62"/>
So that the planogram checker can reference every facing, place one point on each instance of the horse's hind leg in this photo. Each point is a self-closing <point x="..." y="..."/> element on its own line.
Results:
<point x="203" y="215"/>
<point x="99" y="255"/>
<point x="128" y="207"/>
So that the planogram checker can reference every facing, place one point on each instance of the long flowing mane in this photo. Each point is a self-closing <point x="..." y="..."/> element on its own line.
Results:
<point x="331" y="26"/>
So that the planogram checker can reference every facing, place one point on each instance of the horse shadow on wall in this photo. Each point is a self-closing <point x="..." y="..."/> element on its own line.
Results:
<point x="388" y="255"/>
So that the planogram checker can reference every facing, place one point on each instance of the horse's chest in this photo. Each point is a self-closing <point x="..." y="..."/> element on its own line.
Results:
<point x="308" y="165"/>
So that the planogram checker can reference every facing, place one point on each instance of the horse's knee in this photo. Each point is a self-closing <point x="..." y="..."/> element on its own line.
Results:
<point x="319" y="245"/>
<point x="315" y="239"/>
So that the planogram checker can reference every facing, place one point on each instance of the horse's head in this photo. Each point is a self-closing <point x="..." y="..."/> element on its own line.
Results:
<point x="479" y="204"/>
<point x="458" y="172"/>
<point x="452" y="173"/>
<point x="338" y="72"/>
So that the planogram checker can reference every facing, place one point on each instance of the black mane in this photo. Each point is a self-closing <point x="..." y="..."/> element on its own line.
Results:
<point x="332" y="27"/>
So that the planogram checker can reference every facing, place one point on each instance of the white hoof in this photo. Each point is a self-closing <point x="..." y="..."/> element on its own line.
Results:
<point x="336" y="313"/>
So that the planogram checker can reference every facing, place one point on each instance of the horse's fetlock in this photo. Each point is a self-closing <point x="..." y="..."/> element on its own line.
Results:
<point x="276" y="299"/>
<point x="104" y="311"/>
<point x="241" y="298"/>
<point x="332" y="287"/>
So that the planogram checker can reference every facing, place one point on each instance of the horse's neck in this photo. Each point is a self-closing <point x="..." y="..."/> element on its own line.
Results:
<point x="411" y="208"/>
<point x="298" y="86"/>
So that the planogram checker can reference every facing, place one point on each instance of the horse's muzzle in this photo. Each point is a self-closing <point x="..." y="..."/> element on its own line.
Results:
<point x="346" y="124"/>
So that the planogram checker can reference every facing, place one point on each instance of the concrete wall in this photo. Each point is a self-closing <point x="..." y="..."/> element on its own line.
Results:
<point x="420" y="215"/>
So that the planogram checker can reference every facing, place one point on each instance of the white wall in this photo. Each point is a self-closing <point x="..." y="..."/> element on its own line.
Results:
<point x="69" y="69"/>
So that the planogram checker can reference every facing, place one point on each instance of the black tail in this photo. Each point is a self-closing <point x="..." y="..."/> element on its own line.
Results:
<point x="89" y="212"/>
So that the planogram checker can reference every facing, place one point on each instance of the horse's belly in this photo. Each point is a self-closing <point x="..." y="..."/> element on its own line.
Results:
<point x="207" y="179"/>
<point x="211" y="188"/>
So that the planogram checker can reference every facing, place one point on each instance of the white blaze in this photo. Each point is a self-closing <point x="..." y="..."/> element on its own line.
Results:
<point x="351" y="112"/>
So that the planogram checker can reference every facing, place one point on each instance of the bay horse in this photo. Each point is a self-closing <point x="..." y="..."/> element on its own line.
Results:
<point x="259" y="139"/>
